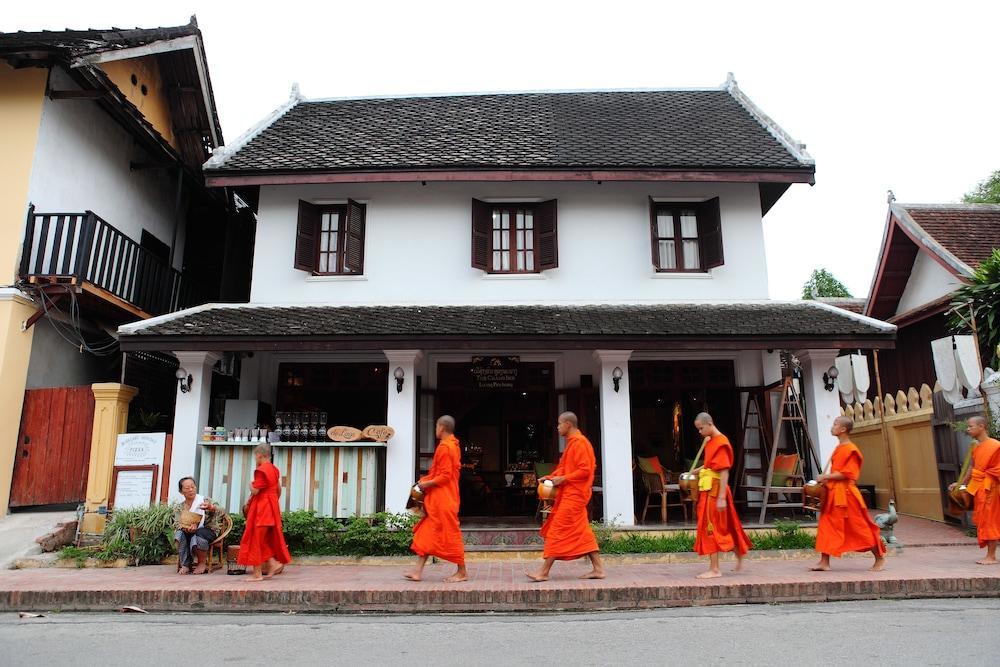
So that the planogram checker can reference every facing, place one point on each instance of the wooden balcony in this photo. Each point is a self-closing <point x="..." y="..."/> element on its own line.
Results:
<point x="83" y="253"/>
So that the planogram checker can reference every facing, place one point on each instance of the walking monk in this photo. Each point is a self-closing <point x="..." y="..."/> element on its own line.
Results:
<point x="438" y="533"/>
<point x="567" y="531"/>
<point x="719" y="527"/>
<point x="263" y="542"/>
<point x="983" y="482"/>
<point x="844" y="524"/>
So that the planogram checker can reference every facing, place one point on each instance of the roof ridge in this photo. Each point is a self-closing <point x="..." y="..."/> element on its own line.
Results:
<point x="796" y="148"/>
<point x="960" y="206"/>
<point x="223" y="153"/>
<point x="485" y="93"/>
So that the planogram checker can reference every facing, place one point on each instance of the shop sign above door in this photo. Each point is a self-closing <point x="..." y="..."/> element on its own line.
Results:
<point x="494" y="372"/>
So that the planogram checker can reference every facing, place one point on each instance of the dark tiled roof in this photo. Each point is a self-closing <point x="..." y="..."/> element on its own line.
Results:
<point x="845" y="303"/>
<point x="682" y="129"/>
<point x="969" y="231"/>
<point x="754" y="319"/>
<point x="77" y="43"/>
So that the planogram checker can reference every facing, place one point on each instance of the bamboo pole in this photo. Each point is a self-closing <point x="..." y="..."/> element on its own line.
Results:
<point x="885" y="430"/>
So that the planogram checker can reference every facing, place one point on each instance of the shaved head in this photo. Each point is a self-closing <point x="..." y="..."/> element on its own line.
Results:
<point x="846" y="422"/>
<point x="978" y="420"/>
<point x="704" y="418"/>
<point x="446" y="422"/>
<point x="264" y="450"/>
<point x="569" y="417"/>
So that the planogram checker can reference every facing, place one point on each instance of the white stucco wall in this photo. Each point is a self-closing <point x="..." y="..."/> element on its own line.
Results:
<point x="928" y="281"/>
<point x="418" y="245"/>
<point x="82" y="163"/>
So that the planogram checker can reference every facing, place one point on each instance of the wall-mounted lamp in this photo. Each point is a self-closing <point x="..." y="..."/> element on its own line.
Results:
<point x="616" y="377"/>
<point x="829" y="376"/>
<point x="184" y="380"/>
<point x="399" y="375"/>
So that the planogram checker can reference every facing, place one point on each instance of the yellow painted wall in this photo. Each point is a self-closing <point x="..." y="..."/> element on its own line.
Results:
<point x="15" y="352"/>
<point x="154" y="104"/>
<point x="22" y="92"/>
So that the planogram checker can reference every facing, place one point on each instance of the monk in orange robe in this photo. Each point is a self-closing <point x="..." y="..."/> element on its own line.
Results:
<point x="983" y="482"/>
<point x="439" y="533"/>
<point x="567" y="531"/>
<point x="844" y="524"/>
<point x="263" y="543"/>
<point x="719" y="528"/>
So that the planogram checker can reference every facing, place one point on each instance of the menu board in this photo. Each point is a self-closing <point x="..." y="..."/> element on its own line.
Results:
<point x="133" y="486"/>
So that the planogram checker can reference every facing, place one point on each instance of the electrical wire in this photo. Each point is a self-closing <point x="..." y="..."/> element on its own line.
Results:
<point x="71" y="332"/>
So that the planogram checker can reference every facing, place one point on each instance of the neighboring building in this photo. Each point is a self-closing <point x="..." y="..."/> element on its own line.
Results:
<point x="501" y="258"/>
<point x="928" y="251"/>
<point x="106" y="220"/>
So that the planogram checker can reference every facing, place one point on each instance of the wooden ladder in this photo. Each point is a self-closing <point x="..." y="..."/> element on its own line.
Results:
<point x="752" y="423"/>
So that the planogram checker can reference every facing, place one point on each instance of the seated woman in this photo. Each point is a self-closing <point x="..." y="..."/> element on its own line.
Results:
<point x="194" y="537"/>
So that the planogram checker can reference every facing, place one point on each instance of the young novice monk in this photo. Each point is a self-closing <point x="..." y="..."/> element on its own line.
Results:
<point x="983" y="482"/>
<point x="844" y="524"/>
<point x="719" y="527"/>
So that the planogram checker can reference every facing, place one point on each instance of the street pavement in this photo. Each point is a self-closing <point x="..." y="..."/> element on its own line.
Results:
<point x="898" y="632"/>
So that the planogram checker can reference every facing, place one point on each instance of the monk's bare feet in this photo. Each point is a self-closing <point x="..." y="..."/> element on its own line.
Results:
<point x="455" y="578"/>
<point x="820" y="567"/>
<point x="739" y="565"/>
<point x="711" y="574"/>
<point x="275" y="572"/>
<point x="255" y="577"/>
<point x="537" y="576"/>
<point x="878" y="565"/>
<point x="987" y="561"/>
<point x="593" y="574"/>
<point x="412" y="576"/>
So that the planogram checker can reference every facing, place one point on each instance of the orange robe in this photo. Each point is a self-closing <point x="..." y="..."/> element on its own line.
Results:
<point x="567" y="531"/>
<point x="984" y="484"/>
<point x="844" y="524"/>
<point x="262" y="538"/>
<point x="719" y="531"/>
<point x="438" y="533"/>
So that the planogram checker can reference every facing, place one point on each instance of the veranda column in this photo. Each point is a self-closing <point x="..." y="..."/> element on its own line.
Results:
<point x="190" y="416"/>
<point x="401" y="415"/>
<point x="821" y="406"/>
<point x="616" y="437"/>
<point x="111" y="401"/>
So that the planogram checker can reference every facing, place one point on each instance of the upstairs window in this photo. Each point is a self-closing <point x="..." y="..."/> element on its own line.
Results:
<point x="514" y="238"/>
<point x="686" y="237"/>
<point x="330" y="239"/>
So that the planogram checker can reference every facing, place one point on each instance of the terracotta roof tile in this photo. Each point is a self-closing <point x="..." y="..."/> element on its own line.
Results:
<point x="969" y="231"/>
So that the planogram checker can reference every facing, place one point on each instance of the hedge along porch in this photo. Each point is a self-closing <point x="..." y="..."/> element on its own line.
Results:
<point x="572" y="357"/>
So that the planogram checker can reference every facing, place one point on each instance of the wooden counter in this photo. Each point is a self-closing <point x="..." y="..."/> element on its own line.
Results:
<point x="336" y="479"/>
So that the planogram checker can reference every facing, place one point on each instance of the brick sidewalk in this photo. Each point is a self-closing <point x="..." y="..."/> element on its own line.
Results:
<point x="500" y="586"/>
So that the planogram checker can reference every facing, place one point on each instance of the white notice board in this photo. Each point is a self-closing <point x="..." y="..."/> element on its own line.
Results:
<point x="141" y="449"/>
<point x="133" y="486"/>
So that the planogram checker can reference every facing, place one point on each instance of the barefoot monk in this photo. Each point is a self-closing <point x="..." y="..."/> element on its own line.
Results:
<point x="263" y="545"/>
<point x="983" y="482"/>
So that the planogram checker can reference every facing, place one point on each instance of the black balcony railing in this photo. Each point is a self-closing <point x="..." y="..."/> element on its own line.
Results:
<point x="86" y="247"/>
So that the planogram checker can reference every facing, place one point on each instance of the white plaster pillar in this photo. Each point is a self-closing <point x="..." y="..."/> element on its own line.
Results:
<point x="401" y="415"/>
<point x="821" y="406"/>
<point x="616" y="437"/>
<point x="190" y="417"/>
<point x="250" y="378"/>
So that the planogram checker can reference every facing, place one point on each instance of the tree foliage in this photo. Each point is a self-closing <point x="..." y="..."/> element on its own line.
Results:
<point x="983" y="293"/>
<point x="986" y="191"/>
<point x="822" y="284"/>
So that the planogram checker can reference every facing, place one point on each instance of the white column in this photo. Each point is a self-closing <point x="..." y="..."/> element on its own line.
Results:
<point x="822" y="406"/>
<point x="190" y="416"/>
<point x="401" y="415"/>
<point x="616" y="437"/>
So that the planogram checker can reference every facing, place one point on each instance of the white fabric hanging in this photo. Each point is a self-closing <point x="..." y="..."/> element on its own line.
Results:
<point x="944" y="363"/>
<point x="862" y="381"/>
<point x="967" y="365"/>
<point x="845" y="379"/>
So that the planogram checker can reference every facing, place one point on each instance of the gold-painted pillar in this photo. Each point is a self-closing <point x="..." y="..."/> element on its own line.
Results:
<point x="111" y="401"/>
<point x="15" y="353"/>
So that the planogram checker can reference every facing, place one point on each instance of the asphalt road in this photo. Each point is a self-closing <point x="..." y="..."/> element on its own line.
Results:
<point x="910" y="632"/>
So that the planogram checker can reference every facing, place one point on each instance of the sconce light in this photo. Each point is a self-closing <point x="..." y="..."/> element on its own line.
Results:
<point x="399" y="375"/>
<point x="616" y="377"/>
<point x="829" y="376"/>
<point x="184" y="379"/>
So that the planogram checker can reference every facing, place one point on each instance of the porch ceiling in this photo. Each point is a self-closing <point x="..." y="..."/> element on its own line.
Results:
<point x="678" y="326"/>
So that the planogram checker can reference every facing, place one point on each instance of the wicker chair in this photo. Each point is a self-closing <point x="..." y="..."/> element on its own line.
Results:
<point x="658" y="489"/>
<point x="220" y="543"/>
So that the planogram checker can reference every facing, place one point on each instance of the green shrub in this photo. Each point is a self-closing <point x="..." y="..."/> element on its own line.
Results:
<point x="382" y="534"/>
<point x="767" y="540"/>
<point x="145" y="536"/>
<point x="637" y="543"/>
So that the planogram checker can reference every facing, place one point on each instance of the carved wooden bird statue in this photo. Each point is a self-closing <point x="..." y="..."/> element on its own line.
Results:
<point x="886" y="522"/>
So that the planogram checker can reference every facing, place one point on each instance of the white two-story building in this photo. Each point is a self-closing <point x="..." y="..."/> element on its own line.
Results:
<point x="501" y="258"/>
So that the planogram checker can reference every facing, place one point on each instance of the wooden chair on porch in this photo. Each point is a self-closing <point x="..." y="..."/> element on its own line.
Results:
<point x="656" y="482"/>
<point x="219" y="544"/>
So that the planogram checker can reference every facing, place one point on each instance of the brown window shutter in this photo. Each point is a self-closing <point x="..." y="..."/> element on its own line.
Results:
<point x="354" y="237"/>
<point x="548" y="235"/>
<point x="710" y="234"/>
<point x="305" y="236"/>
<point x="654" y="245"/>
<point x="482" y="225"/>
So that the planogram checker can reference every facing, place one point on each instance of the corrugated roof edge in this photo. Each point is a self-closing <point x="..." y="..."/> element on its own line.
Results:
<point x="798" y="150"/>
<point x="223" y="153"/>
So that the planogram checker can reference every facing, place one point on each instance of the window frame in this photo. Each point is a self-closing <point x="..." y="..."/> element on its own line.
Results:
<point x="676" y="209"/>
<point x="512" y="209"/>
<point x="341" y="235"/>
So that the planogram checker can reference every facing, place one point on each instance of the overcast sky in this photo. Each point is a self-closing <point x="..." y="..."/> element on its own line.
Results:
<point x="898" y="95"/>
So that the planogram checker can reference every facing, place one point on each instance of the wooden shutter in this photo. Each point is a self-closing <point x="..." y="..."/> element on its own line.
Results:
<point x="710" y="234"/>
<point x="653" y="236"/>
<point x="354" y="237"/>
<point x="305" y="236"/>
<point x="547" y="235"/>
<point x="482" y="226"/>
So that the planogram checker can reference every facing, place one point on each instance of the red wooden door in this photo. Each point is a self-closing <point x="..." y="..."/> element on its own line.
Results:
<point x="53" y="447"/>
